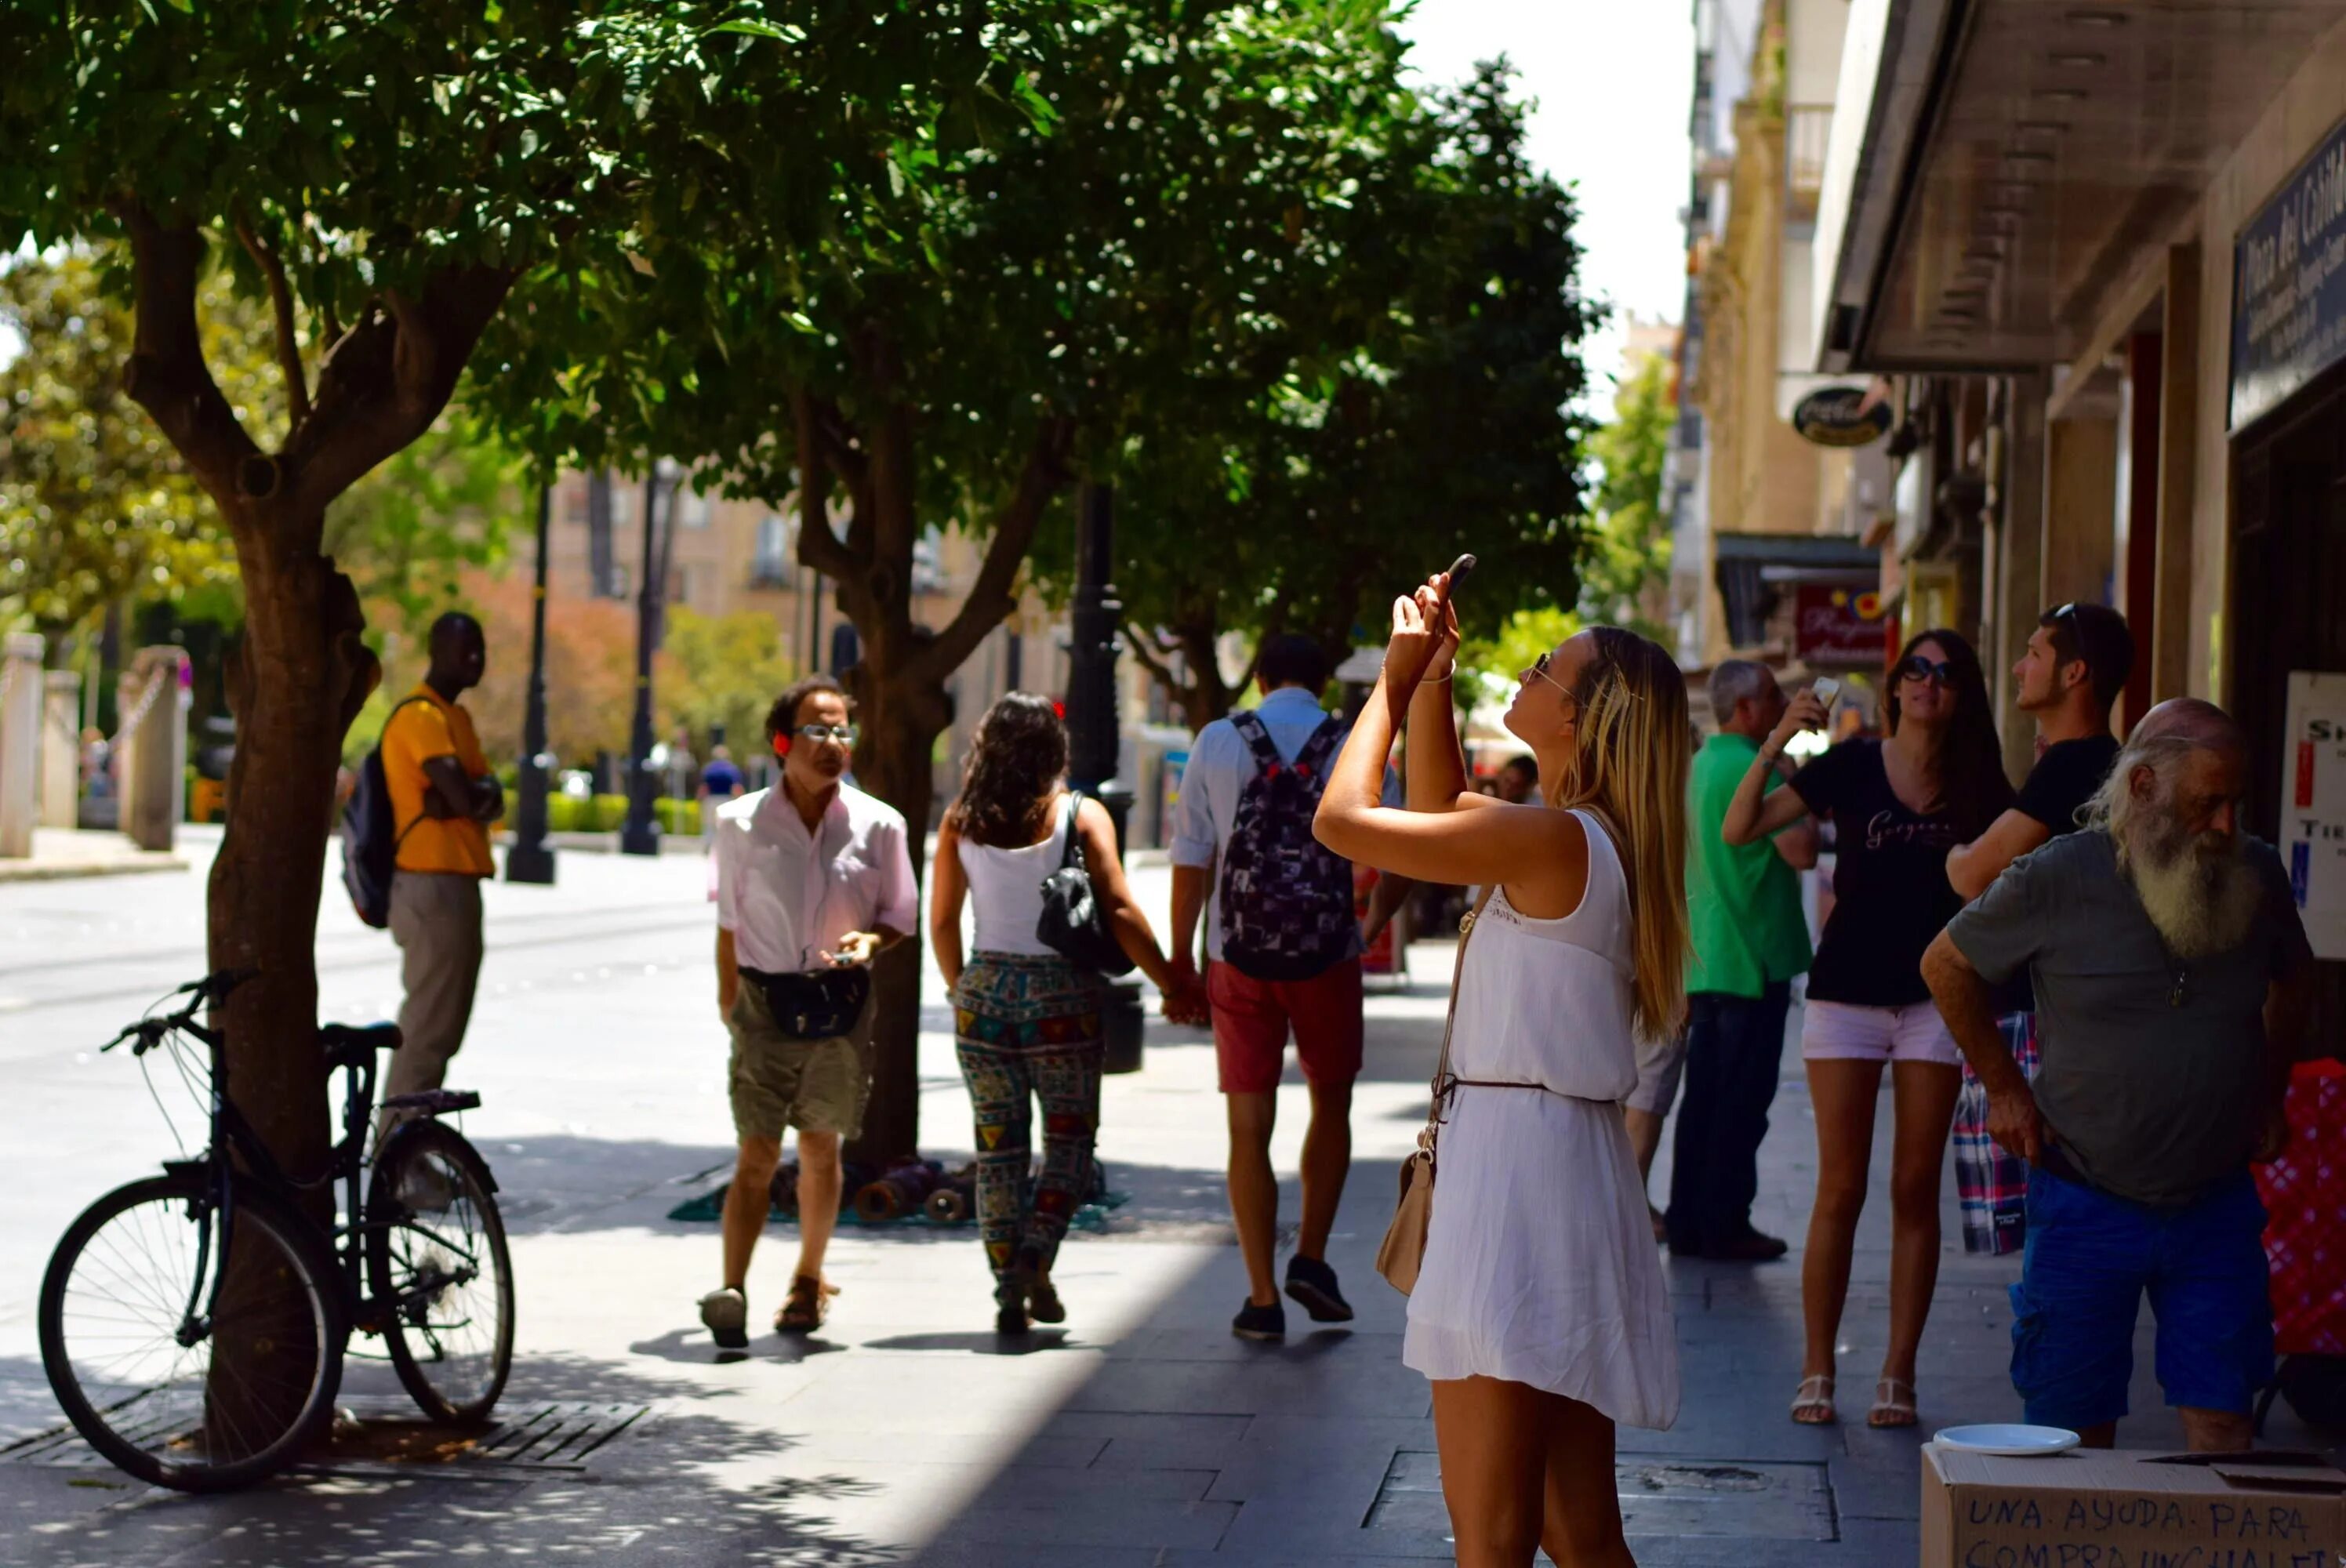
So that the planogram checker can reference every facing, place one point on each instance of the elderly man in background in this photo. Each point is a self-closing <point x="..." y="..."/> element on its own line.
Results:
<point x="1750" y="938"/>
<point x="2172" y="978"/>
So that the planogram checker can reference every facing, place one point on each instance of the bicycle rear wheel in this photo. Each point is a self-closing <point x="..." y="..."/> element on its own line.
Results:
<point x="178" y="1375"/>
<point x="440" y="1272"/>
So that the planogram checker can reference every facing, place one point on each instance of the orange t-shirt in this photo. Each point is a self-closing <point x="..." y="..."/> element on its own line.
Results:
<point x="417" y="732"/>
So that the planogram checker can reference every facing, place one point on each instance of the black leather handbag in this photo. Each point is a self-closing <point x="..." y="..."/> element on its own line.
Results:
<point x="1073" y="923"/>
<point x="820" y="1005"/>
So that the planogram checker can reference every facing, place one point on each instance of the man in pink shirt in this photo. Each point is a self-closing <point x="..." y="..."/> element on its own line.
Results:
<point x="814" y="877"/>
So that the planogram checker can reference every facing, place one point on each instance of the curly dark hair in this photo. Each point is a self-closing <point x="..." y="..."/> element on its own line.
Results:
<point x="1967" y="764"/>
<point x="1016" y="760"/>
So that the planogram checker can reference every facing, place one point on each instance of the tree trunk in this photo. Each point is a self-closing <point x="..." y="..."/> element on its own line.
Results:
<point x="298" y="677"/>
<point x="901" y="715"/>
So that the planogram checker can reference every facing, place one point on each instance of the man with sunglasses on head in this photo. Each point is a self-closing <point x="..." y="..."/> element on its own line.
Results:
<point x="2076" y="666"/>
<point x="814" y="878"/>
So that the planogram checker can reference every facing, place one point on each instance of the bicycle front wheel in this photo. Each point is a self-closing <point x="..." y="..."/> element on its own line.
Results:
<point x="441" y="1277"/>
<point x="193" y="1352"/>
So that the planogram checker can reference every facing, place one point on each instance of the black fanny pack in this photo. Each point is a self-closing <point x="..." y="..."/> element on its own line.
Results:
<point x="822" y="1006"/>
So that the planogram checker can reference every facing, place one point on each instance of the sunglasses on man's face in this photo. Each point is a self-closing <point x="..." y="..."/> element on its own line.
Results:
<point x="1914" y="667"/>
<point x="837" y="734"/>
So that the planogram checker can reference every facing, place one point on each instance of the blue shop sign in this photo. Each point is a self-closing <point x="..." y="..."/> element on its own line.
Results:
<point x="2289" y="286"/>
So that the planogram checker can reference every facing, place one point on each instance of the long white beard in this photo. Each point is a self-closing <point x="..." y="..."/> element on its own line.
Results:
<point x="2201" y="896"/>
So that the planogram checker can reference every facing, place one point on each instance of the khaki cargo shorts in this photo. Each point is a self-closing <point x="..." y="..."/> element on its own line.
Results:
<point x="815" y="1086"/>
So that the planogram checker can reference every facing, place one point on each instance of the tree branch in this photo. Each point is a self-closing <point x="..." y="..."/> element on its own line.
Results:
<point x="289" y="342"/>
<point x="819" y="548"/>
<point x="1143" y="644"/>
<point x="991" y="599"/>
<point x="167" y="375"/>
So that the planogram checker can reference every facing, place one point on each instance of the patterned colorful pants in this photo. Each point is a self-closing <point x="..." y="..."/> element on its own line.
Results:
<point x="1028" y="1029"/>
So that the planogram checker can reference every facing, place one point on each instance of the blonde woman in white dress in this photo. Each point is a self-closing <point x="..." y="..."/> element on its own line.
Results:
<point x="1541" y="1315"/>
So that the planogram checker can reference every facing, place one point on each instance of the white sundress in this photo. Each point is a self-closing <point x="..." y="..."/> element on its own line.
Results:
<point x="1540" y="1266"/>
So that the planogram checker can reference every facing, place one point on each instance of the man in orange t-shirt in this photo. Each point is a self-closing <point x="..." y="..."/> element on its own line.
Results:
<point x="443" y="797"/>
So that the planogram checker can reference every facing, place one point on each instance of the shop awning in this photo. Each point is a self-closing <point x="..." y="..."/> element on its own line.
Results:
<point x="1995" y="166"/>
<point x="1754" y="569"/>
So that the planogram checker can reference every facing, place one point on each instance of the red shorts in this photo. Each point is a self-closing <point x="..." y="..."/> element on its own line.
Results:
<point x="1252" y="1018"/>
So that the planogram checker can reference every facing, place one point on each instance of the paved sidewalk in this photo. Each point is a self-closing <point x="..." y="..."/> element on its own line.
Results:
<point x="1141" y="1433"/>
<point x="63" y="853"/>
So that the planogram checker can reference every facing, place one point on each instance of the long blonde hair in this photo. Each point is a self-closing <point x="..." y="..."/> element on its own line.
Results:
<point x="1629" y="766"/>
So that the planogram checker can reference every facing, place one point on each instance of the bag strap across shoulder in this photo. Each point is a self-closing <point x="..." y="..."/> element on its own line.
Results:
<point x="1073" y="853"/>
<point x="1439" y="1089"/>
<point x="403" y="703"/>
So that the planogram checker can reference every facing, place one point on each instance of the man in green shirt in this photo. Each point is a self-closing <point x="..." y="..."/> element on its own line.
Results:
<point x="1743" y="904"/>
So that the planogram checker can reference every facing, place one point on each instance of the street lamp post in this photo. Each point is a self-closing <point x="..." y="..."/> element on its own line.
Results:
<point x="1094" y="738"/>
<point x="641" y="836"/>
<point x="530" y="859"/>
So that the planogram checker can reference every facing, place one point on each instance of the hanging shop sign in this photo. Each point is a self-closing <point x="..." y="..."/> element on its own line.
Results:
<point x="2313" y="807"/>
<point x="2289" y="285"/>
<point x="1837" y="627"/>
<point x="1842" y="416"/>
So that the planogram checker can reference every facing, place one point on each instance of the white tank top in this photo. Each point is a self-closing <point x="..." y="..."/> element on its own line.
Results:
<point x="1549" y="1002"/>
<point x="1005" y="888"/>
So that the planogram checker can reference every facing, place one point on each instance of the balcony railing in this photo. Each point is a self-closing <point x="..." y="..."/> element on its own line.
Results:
<point x="1808" y="127"/>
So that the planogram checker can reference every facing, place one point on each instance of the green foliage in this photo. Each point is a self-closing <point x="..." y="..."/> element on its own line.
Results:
<point x="719" y="670"/>
<point x="1425" y="409"/>
<point x="408" y="532"/>
<point x="677" y="816"/>
<point x="1629" y="555"/>
<point x="94" y="504"/>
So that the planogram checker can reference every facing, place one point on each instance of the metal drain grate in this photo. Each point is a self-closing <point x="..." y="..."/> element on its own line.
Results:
<point x="538" y="1438"/>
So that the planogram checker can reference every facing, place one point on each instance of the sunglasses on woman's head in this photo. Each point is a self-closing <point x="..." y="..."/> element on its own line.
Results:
<point x="1914" y="667"/>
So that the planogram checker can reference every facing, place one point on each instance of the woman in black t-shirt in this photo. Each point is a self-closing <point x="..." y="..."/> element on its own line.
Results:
<point x="1898" y="805"/>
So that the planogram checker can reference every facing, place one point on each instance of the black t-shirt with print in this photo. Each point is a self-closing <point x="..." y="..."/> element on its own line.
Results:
<point x="2064" y="779"/>
<point x="1891" y="893"/>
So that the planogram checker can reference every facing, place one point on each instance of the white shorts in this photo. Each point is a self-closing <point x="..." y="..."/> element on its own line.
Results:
<point x="1844" y="1032"/>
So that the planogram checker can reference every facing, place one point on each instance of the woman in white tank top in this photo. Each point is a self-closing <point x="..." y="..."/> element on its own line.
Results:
<point x="1026" y="1021"/>
<point x="1540" y="1313"/>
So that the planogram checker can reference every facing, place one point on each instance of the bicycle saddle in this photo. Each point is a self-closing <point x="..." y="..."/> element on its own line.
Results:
<point x="349" y="1045"/>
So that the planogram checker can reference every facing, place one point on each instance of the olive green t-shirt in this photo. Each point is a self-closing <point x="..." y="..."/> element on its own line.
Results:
<point x="1743" y="903"/>
<point x="2151" y="1071"/>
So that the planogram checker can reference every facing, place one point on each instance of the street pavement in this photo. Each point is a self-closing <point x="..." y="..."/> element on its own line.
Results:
<point x="1140" y="1433"/>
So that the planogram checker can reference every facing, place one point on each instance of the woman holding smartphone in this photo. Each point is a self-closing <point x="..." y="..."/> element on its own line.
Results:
<point x="1541" y="1320"/>
<point x="1898" y="805"/>
<point x="1026" y="1021"/>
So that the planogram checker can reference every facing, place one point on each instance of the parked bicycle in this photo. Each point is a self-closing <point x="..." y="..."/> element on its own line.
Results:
<point x="193" y="1325"/>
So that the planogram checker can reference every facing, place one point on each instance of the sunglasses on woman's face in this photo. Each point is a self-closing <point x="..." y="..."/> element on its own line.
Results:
<point x="1539" y="668"/>
<point x="1914" y="667"/>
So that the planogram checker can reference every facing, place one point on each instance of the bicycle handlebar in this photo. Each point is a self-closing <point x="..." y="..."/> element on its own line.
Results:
<point x="212" y="987"/>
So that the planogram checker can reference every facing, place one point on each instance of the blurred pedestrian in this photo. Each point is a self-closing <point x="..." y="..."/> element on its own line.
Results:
<point x="2173" y="980"/>
<point x="442" y="799"/>
<point x="1750" y="938"/>
<point x="1540" y="1313"/>
<point x="1283" y="951"/>
<point x="721" y="780"/>
<point x="1026" y="1019"/>
<point x="1898" y="805"/>
<point x="814" y="880"/>
<point x="1518" y="780"/>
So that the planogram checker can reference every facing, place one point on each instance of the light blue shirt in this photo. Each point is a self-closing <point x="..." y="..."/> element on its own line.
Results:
<point x="1220" y="765"/>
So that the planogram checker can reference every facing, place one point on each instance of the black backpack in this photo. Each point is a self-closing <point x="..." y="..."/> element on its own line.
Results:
<point x="371" y="836"/>
<point x="1287" y="901"/>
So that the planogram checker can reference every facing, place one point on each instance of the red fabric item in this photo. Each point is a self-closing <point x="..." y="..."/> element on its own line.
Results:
<point x="2305" y="1193"/>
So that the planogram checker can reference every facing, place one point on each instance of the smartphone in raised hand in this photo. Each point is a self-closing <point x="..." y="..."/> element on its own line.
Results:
<point x="1824" y="688"/>
<point x="1457" y="574"/>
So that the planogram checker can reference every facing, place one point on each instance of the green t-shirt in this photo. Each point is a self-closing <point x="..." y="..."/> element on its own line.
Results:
<point x="1743" y="903"/>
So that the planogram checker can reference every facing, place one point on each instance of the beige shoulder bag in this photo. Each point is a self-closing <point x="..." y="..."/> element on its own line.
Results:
<point x="1404" y="1249"/>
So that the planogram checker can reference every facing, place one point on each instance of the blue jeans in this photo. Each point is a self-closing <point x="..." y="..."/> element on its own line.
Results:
<point x="2090" y="1259"/>
<point x="1735" y="1053"/>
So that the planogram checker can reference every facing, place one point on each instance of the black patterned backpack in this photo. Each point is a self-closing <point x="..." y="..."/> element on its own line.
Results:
<point x="1287" y="903"/>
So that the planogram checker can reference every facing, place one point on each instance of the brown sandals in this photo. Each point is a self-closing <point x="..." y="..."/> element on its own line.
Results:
<point x="809" y="1305"/>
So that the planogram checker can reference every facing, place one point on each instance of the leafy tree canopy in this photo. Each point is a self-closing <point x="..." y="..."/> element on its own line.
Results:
<point x="1426" y="408"/>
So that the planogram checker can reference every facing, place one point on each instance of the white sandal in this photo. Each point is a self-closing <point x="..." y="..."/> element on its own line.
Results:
<point x="1886" y="1402"/>
<point x="1815" y="1393"/>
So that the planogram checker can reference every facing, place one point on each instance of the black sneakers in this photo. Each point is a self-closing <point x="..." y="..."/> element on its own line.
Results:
<point x="1314" y="1283"/>
<point x="1255" y="1322"/>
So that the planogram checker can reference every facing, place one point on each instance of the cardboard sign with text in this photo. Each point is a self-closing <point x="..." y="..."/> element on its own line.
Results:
<point x="2122" y="1510"/>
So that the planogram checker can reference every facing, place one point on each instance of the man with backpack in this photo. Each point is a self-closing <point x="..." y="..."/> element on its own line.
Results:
<point x="1284" y="948"/>
<point x="442" y="799"/>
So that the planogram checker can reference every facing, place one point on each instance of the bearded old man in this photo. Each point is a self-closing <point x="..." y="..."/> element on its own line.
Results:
<point x="2172" y="977"/>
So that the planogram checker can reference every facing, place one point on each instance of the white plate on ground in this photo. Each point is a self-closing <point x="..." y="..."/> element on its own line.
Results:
<point x="2013" y="1441"/>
